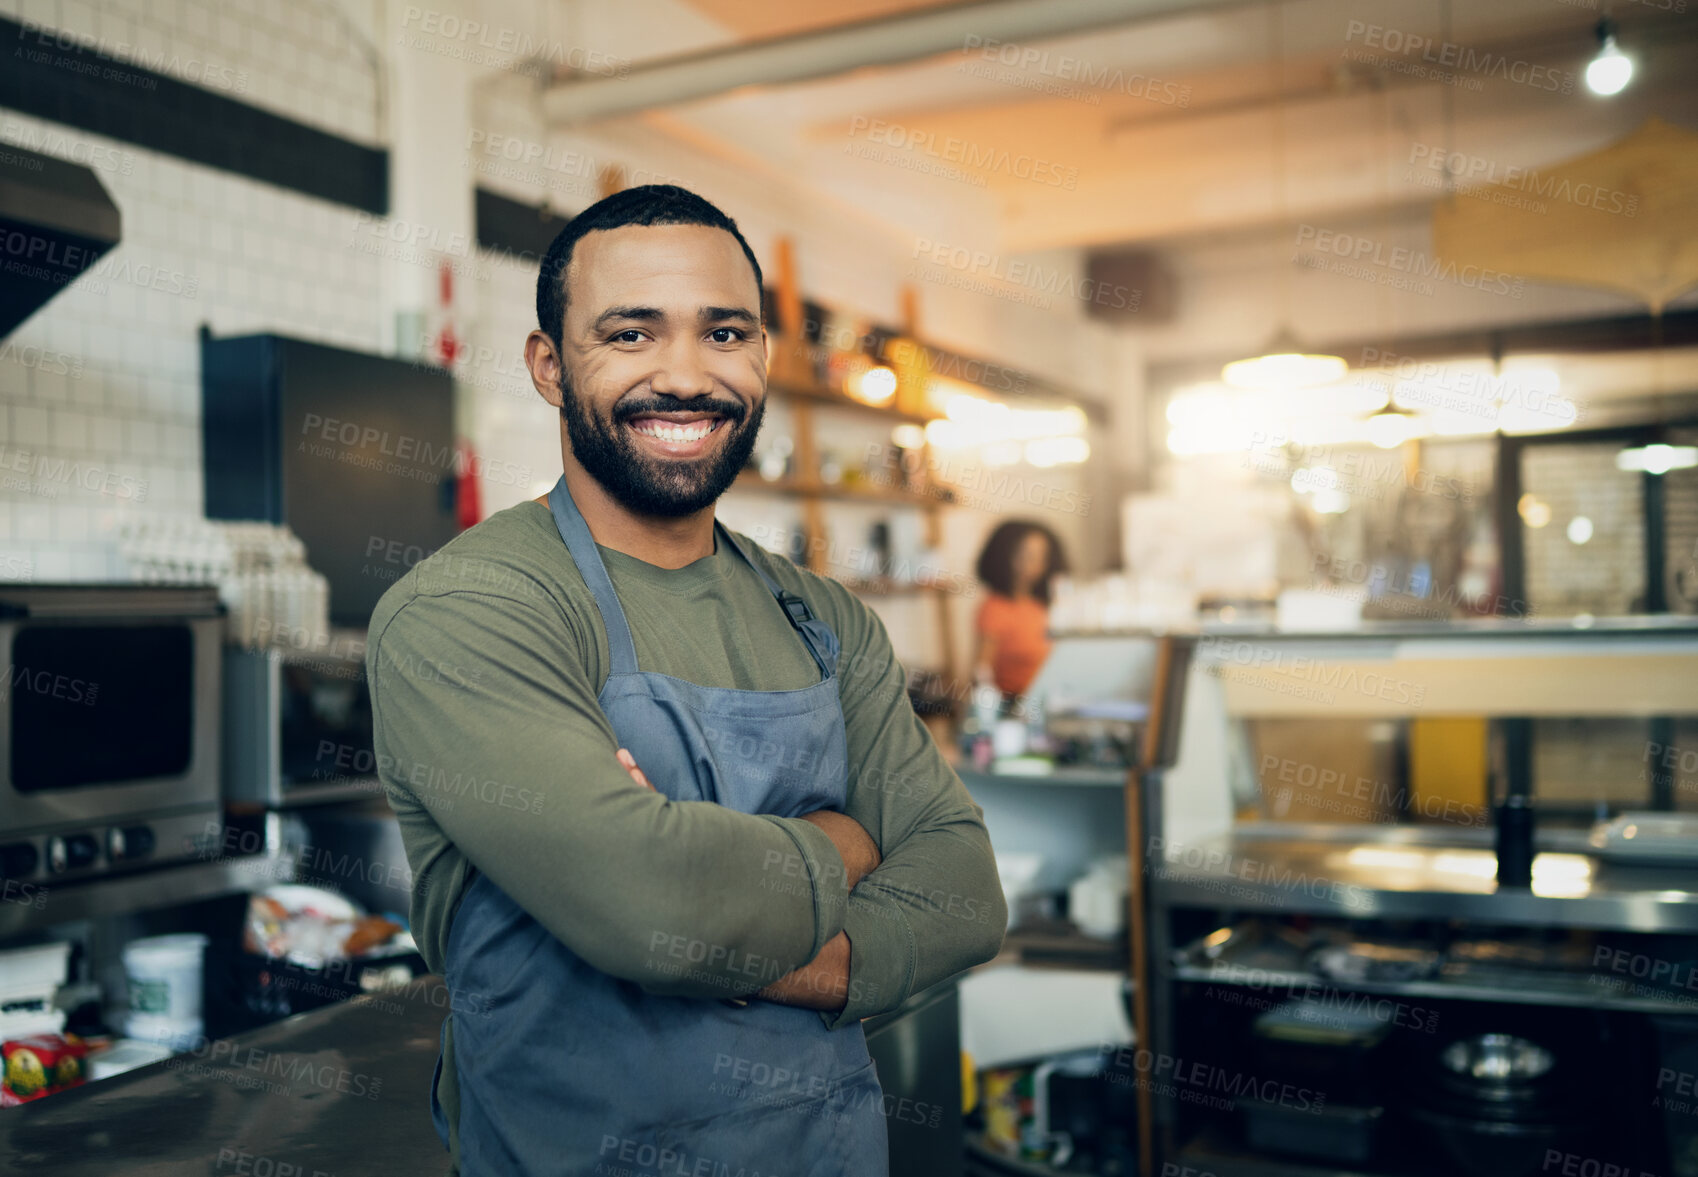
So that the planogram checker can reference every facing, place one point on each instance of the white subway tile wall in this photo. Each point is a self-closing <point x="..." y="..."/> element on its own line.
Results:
<point x="100" y="388"/>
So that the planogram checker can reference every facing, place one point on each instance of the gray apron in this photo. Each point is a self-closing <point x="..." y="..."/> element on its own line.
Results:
<point x="574" y="1071"/>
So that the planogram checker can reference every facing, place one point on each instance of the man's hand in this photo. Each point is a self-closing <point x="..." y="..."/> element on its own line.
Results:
<point x="630" y="762"/>
<point x="854" y="845"/>
<point x="822" y="983"/>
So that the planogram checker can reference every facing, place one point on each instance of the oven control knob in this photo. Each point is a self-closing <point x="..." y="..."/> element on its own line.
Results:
<point x="72" y="852"/>
<point x="18" y="860"/>
<point x="129" y="842"/>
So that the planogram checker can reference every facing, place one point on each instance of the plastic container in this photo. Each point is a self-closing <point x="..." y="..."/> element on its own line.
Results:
<point x="165" y="981"/>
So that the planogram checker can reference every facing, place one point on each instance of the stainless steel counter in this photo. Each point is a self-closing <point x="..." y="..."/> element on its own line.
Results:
<point x="339" y="1092"/>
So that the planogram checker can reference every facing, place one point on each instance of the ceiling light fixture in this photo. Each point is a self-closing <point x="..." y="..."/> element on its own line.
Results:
<point x="1610" y="71"/>
<point x="1284" y="366"/>
<point x="1657" y="458"/>
<point x="1391" y="427"/>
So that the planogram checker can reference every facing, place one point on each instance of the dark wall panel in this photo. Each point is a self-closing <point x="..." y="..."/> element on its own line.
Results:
<point x="51" y="75"/>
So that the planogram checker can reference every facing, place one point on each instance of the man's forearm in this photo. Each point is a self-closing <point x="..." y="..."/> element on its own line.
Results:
<point x="860" y="854"/>
<point x="822" y="983"/>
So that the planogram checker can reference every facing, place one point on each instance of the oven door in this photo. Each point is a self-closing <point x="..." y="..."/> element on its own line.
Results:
<point x="107" y="716"/>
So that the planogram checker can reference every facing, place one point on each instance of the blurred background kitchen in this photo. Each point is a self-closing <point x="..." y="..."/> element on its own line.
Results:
<point x="1335" y="363"/>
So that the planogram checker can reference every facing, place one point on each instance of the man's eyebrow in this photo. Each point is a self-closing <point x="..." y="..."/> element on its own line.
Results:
<point x="641" y="314"/>
<point x="720" y="314"/>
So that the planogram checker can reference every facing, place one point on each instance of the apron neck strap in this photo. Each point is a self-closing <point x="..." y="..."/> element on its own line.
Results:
<point x="621" y="649"/>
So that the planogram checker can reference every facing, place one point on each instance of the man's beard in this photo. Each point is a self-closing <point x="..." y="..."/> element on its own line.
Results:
<point x="644" y="484"/>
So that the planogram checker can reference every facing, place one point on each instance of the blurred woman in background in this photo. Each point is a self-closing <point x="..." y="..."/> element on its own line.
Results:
<point x="1016" y="564"/>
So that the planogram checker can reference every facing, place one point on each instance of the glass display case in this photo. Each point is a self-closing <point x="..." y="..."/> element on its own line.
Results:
<point x="1450" y="923"/>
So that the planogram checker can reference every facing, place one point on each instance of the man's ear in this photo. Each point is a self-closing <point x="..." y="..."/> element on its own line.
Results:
<point x="766" y="347"/>
<point x="543" y="360"/>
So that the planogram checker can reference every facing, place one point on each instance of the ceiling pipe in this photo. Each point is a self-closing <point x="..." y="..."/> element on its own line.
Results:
<point x="842" y="48"/>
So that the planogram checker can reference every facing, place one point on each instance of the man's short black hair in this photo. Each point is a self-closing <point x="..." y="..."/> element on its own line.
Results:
<point x="648" y="204"/>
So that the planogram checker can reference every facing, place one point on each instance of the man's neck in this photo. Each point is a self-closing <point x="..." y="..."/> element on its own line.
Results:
<point x="665" y="542"/>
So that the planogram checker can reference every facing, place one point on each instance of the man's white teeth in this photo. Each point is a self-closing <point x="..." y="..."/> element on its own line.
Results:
<point x="694" y="431"/>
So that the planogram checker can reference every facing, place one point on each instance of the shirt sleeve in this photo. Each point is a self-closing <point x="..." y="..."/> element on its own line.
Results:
<point x="487" y="729"/>
<point x="934" y="906"/>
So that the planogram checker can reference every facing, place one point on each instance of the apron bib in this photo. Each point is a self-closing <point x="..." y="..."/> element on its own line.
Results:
<point x="575" y="1072"/>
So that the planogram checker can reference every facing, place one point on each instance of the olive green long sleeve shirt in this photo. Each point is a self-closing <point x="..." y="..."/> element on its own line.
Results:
<point x="485" y="662"/>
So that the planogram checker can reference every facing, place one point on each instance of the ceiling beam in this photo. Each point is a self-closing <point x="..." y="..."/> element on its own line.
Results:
<point x="842" y="48"/>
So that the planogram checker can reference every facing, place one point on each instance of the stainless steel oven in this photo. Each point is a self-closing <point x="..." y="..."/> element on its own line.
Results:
<point x="297" y="726"/>
<point x="109" y="727"/>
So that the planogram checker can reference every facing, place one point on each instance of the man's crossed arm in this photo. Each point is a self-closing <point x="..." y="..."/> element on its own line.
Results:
<point x="822" y="983"/>
<point x="682" y="899"/>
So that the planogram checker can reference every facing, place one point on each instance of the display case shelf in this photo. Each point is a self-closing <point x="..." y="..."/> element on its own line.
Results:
<point x="1524" y="987"/>
<point x="1212" y="1153"/>
<point x="1391" y="880"/>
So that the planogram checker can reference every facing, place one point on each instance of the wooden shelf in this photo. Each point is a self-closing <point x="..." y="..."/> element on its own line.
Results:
<point x="842" y="491"/>
<point x="825" y="396"/>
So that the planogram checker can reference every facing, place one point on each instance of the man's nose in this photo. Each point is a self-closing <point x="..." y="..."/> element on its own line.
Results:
<point x="681" y="372"/>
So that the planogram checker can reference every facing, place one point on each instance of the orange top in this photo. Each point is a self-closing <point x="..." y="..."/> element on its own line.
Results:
<point x="1019" y="630"/>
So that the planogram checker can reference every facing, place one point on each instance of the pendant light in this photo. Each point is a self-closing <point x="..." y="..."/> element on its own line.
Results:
<point x="1392" y="426"/>
<point x="1610" y="71"/>
<point x="1284" y="365"/>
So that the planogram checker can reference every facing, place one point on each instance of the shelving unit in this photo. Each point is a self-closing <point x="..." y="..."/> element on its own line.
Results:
<point x="791" y="378"/>
<point x="808" y="389"/>
<point x="1161" y="664"/>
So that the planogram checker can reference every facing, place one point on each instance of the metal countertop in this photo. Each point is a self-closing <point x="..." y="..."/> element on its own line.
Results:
<point x="342" y="1091"/>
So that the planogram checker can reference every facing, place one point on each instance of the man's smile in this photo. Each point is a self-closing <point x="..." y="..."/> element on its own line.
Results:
<point x="678" y="435"/>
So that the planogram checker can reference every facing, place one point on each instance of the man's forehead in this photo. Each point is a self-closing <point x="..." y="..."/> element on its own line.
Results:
<point x="685" y="262"/>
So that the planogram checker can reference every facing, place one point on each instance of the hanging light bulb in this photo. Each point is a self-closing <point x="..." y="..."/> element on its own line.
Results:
<point x="1391" y="427"/>
<point x="1284" y="366"/>
<point x="1610" y="71"/>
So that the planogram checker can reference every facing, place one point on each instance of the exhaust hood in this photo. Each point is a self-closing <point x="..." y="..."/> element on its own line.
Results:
<point x="56" y="221"/>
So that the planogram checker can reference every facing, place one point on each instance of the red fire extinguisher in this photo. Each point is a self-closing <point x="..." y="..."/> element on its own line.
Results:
<point x="468" y="499"/>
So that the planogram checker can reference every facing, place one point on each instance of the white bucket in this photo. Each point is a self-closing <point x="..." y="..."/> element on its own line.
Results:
<point x="164" y="975"/>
